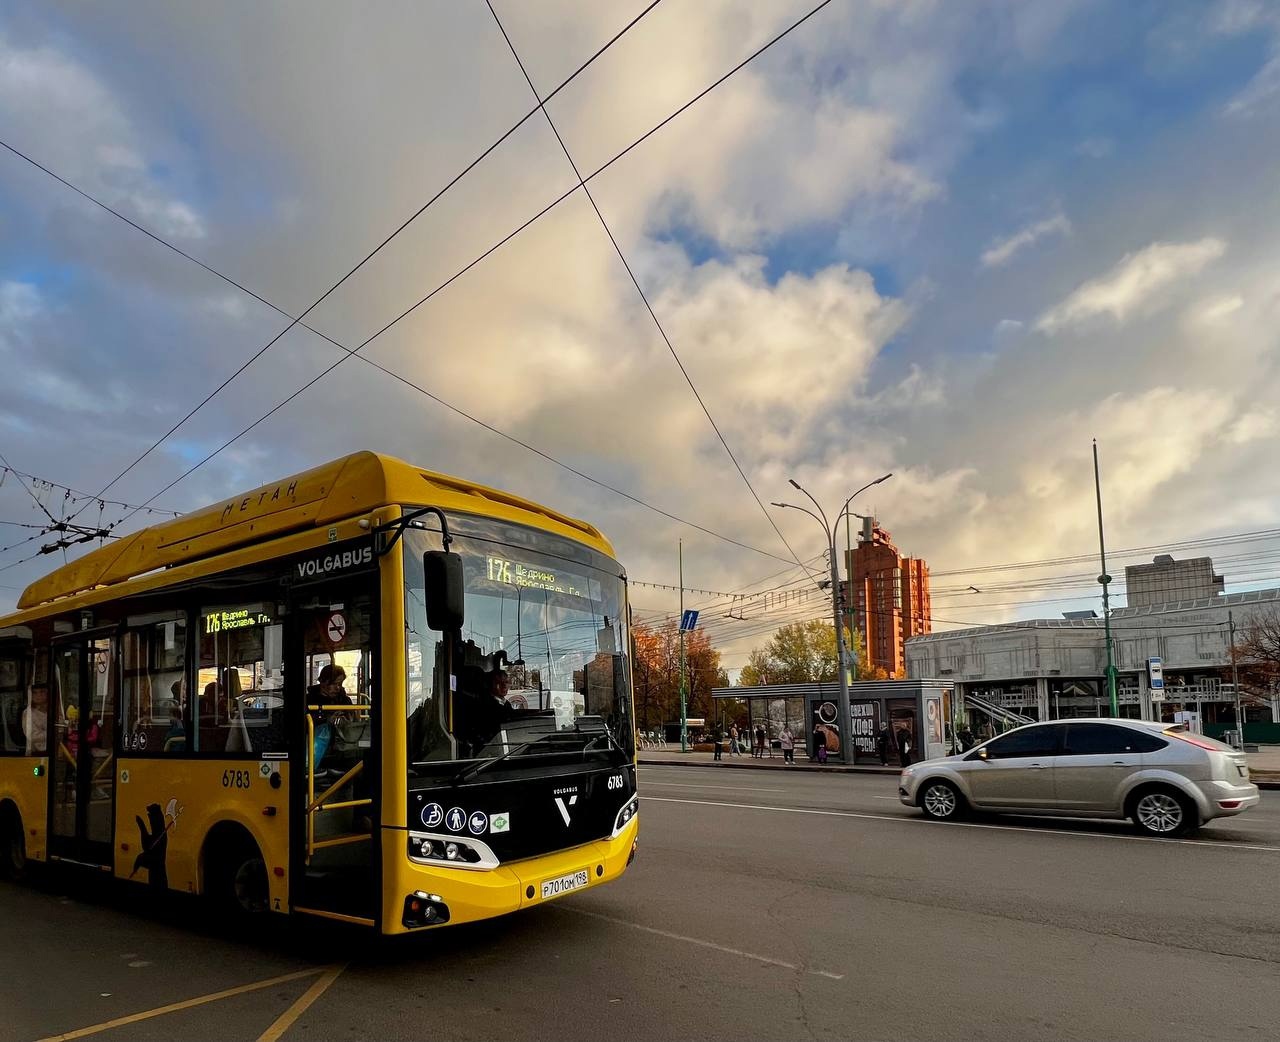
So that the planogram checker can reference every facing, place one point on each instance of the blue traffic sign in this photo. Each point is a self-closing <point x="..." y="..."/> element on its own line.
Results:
<point x="688" y="621"/>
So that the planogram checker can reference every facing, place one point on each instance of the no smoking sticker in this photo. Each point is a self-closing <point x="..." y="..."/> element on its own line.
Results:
<point x="336" y="627"/>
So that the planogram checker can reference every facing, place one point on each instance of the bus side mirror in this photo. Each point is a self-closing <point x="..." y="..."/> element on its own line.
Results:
<point x="442" y="572"/>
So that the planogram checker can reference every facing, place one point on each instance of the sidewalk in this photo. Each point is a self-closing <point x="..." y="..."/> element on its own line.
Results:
<point x="1264" y="765"/>
<point x="673" y="757"/>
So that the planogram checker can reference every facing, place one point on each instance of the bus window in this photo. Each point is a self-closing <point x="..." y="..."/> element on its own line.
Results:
<point x="154" y="694"/>
<point x="17" y="715"/>
<point x="239" y="693"/>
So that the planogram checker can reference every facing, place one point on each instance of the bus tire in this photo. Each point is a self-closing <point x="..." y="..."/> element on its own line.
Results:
<point x="13" y="844"/>
<point x="237" y="875"/>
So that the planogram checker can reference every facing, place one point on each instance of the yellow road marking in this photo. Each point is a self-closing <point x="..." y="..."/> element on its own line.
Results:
<point x="174" y="1007"/>
<point x="286" y="1019"/>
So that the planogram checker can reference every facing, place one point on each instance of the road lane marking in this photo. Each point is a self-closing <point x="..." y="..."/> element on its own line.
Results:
<point x="767" y="960"/>
<point x="285" y="1020"/>
<point x="731" y="788"/>
<point x="967" y="824"/>
<point x="175" y="1007"/>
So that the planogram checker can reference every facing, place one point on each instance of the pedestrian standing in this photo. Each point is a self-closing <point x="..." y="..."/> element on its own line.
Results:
<point x="904" y="746"/>
<point x="760" y="741"/>
<point x="788" y="742"/>
<point x="883" y="738"/>
<point x="819" y="743"/>
<point x="733" y="740"/>
<point x="719" y="736"/>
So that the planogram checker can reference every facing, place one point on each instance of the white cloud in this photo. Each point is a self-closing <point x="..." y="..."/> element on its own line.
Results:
<point x="1215" y="309"/>
<point x="1134" y="283"/>
<point x="1002" y="250"/>
<point x="19" y="302"/>
<point x="74" y="124"/>
<point x="1260" y="92"/>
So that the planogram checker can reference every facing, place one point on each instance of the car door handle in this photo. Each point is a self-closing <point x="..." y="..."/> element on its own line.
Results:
<point x="1037" y="767"/>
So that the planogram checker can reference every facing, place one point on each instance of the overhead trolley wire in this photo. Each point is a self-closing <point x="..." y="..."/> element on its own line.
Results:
<point x="349" y="351"/>
<point x="369" y="256"/>
<point x="402" y="379"/>
<point x="502" y="242"/>
<point x="639" y="289"/>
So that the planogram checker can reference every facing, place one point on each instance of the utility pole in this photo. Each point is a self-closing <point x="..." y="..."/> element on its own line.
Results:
<point x="1105" y="580"/>
<point x="1235" y="677"/>
<point x="684" y="712"/>
<point x="829" y="531"/>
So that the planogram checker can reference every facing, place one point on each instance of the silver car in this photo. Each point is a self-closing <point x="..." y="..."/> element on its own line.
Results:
<point x="1168" y="780"/>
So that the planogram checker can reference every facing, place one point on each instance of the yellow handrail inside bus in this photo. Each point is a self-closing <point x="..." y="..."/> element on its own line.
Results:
<point x="317" y="804"/>
<point x="316" y="801"/>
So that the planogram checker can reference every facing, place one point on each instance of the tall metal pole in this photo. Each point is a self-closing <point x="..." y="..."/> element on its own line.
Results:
<point x="684" y="710"/>
<point x="1105" y="580"/>
<point x="848" y="574"/>
<point x="1235" y="677"/>
<point x="829" y="530"/>
<point x="846" y="720"/>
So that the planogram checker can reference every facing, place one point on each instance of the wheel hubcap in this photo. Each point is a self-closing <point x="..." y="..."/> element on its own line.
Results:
<point x="251" y="885"/>
<point x="940" y="801"/>
<point x="1159" y="812"/>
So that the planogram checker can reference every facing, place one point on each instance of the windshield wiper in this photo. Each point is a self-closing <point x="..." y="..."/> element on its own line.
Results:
<point x="471" y="770"/>
<point x="602" y="732"/>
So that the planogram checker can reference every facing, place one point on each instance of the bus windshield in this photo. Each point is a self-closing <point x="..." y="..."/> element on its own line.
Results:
<point x="541" y="666"/>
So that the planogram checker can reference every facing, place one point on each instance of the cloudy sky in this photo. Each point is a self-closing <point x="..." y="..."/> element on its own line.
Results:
<point x="955" y="241"/>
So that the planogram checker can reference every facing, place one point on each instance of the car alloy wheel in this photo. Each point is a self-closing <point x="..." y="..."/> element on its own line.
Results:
<point x="1160" y="813"/>
<point x="940" y="801"/>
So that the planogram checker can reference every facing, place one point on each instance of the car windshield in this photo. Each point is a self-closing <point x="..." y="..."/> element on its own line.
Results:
<point x="540" y="666"/>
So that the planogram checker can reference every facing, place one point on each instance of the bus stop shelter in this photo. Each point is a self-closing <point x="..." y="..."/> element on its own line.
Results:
<point x="918" y="713"/>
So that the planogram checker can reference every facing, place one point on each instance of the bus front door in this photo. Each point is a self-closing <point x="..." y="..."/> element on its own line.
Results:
<point x="332" y="664"/>
<point x="82" y="758"/>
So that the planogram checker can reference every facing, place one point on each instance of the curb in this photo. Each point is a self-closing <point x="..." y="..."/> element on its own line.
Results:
<point x="812" y="767"/>
<point x="1267" y="780"/>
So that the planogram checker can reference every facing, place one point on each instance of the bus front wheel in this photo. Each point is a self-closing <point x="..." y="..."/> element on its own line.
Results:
<point x="13" y="844"/>
<point x="239" y="878"/>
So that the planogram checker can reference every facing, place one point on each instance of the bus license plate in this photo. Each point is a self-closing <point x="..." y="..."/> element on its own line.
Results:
<point x="556" y="887"/>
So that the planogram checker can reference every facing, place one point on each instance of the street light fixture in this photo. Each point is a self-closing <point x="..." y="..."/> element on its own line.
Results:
<point x="829" y="530"/>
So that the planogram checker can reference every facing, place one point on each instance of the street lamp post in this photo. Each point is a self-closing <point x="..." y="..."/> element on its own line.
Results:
<point x="829" y="530"/>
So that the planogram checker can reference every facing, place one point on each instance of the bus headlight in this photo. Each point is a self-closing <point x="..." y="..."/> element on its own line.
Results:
<point x="629" y="810"/>
<point x="450" y="850"/>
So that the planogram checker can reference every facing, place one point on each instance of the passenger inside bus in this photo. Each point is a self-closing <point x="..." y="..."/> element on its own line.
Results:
<point x="328" y="690"/>
<point x="35" y="721"/>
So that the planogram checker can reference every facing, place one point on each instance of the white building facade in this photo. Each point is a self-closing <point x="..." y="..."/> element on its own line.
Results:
<point x="1047" y="669"/>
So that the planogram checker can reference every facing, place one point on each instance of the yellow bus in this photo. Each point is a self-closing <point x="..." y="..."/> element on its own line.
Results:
<point x="367" y="692"/>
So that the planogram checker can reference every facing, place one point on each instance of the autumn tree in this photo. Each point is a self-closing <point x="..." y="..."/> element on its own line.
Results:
<point x="799" y="653"/>
<point x="656" y="671"/>
<point x="1258" y="651"/>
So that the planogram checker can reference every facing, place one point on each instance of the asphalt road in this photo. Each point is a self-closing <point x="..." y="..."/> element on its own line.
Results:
<point x="761" y="905"/>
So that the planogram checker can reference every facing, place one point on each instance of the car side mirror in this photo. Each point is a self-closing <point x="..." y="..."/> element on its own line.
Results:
<point x="443" y="590"/>
<point x="978" y="754"/>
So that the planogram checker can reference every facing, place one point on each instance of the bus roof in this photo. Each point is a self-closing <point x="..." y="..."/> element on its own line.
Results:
<point x="343" y="488"/>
